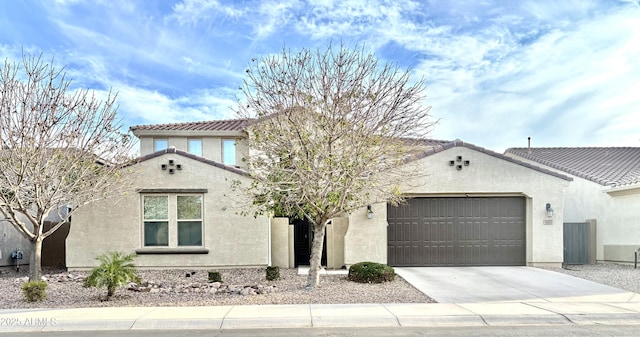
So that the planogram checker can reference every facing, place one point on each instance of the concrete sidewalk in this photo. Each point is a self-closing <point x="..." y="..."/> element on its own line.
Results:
<point x="320" y="315"/>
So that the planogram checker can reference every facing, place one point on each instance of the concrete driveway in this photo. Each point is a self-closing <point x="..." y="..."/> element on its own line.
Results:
<point x="508" y="284"/>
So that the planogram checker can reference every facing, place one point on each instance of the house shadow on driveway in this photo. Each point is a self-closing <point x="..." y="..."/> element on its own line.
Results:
<point x="508" y="284"/>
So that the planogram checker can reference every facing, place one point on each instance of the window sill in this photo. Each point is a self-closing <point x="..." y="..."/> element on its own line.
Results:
<point x="149" y="251"/>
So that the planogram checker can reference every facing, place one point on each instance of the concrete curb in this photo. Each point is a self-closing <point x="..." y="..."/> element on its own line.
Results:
<point x="319" y="315"/>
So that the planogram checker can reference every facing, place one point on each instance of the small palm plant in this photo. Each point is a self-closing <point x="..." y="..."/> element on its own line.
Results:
<point x="115" y="270"/>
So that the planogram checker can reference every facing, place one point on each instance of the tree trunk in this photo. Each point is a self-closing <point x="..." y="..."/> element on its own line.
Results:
<point x="316" y="254"/>
<point x="35" y="269"/>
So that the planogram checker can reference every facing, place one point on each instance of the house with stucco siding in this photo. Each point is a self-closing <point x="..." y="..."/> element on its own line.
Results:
<point x="605" y="190"/>
<point x="472" y="207"/>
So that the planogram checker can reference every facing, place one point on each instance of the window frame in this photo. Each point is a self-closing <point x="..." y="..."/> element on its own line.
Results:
<point x="189" y="140"/>
<point x="190" y="220"/>
<point x="155" y="144"/>
<point x="173" y="222"/>
<point x="235" y="151"/>
<point x="155" y="220"/>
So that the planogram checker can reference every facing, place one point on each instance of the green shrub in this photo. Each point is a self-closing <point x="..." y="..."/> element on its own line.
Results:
<point x="273" y="273"/>
<point x="215" y="276"/>
<point x="115" y="270"/>
<point x="34" y="291"/>
<point x="371" y="272"/>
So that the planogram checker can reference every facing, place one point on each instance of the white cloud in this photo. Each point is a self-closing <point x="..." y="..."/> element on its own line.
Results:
<point x="272" y="15"/>
<point x="576" y="83"/>
<point x="143" y="106"/>
<point x="351" y="18"/>
<point x="192" y="12"/>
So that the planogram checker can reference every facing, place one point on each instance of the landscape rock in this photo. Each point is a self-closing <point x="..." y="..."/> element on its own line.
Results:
<point x="171" y="288"/>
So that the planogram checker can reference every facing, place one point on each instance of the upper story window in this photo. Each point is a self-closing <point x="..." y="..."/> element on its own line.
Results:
<point x="229" y="152"/>
<point x="160" y="144"/>
<point x="195" y="147"/>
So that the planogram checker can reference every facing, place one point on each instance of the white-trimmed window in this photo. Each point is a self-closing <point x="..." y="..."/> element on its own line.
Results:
<point x="160" y="144"/>
<point x="156" y="220"/>
<point x="189" y="218"/>
<point x="172" y="220"/>
<point x="195" y="146"/>
<point x="229" y="152"/>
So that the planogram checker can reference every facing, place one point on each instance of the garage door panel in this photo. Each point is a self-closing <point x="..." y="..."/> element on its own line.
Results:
<point x="457" y="232"/>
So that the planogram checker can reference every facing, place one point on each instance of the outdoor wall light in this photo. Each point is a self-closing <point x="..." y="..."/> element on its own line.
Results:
<point x="369" y="212"/>
<point x="549" y="210"/>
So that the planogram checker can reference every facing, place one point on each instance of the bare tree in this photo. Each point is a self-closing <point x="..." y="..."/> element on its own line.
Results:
<point x="60" y="149"/>
<point x="331" y="132"/>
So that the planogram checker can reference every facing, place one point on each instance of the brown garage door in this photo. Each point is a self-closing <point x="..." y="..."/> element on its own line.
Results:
<point x="457" y="232"/>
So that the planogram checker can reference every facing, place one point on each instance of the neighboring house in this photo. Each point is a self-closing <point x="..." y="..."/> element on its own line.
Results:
<point x="12" y="241"/>
<point x="472" y="207"/>
<point x="606" y="188"/>
<point x="53" y="247"/>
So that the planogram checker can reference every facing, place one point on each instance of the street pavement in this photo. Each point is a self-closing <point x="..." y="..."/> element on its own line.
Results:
<point x="590" y="306"/>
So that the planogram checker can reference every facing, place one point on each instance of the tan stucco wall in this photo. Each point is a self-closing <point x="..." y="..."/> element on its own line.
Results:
<point x="336" y="232"/>
<point x="486" y="175"/>
<point x="280" y="242"/>
<point x="366" y="239"/>
<point x="232" y="239"/>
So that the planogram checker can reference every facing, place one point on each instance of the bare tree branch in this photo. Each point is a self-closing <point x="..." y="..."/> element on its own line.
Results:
<point x="62" y="148"/>
<point x="332" y="131"/>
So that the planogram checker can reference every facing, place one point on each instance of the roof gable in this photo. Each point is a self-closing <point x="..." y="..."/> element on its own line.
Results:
<point x="607" y="166"/>
<point x="459" y="143"/>
<point x="173" y="150"/>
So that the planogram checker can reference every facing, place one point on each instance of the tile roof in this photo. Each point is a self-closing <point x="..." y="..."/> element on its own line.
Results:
<point x="215" y="125"/>
<point x="434" y="142"/>
<point x="607" y="166"/>
<point x="459" y="143"/>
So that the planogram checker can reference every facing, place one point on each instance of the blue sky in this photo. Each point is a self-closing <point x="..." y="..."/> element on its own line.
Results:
<point x="566" y="73"/>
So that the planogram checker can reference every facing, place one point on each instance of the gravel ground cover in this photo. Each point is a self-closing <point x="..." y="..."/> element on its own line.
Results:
<point x="66" y="290"/>
<point x="615" y="275"/>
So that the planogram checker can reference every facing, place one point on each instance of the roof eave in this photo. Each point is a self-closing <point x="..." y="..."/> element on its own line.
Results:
<point x="173" y="150"/>
<point x="624" y="189"/>
<point x="188" y="133"/>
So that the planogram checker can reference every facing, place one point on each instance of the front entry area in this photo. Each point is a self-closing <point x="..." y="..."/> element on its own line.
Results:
<point x="303" y="237"/>
<point x="465" y="231"/>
